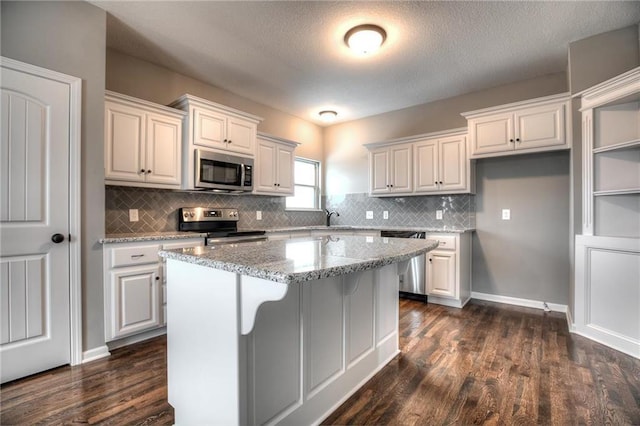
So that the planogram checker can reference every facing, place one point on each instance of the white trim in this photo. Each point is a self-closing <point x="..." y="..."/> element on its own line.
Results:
<point x="75" y="179"/>
<point x="444" y="301"/>
<point x="136" y="338"/>
<point x="560" y="97"/>
<point x="410" y="139"/>
<point x="278" y="139"/>
<point x="529" y="303"/>
<point x="570" y="324"/>
<point x="143" y="104"/>
<point x="95" y="353"/>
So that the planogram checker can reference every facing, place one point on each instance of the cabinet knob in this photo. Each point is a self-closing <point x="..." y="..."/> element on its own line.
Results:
<point x="229" y="141"/>
<point x="157" y="278"/>
<point x="225" y="141"/>
<point x="391" y="186"/>
<point x="429" y="259"/>
<point x="277" y="184"/>
<point x="440" y="182"/>
<point x="517" y="139"/>
<point x="148" y="171"/>
<point x="511" y="140"/>
<point x="141" y="170"/>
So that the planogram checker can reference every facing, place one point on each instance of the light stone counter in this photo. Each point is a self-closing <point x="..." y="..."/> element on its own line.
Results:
<point x="304" y="259"/>
<point x="369" y="228"/>
<point x="150" y="236"/>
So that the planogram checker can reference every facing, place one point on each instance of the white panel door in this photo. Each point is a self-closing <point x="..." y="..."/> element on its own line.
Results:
<point x="493" y="133"/>
<point x="241" y="136"/>
<point x="266" y="167"/>
<point x="124" y="143"/>
<point x="426" y="163"/>
<point x="164" y="142"/>
<point x="540" y="126"/>
<point x="453" y="158"/>
<point x="379" y="170"/>
<point x="284" y="170"/>
<point x="34" y="205"/>
<point x="442" y="274"/>
<point x="209" y="129"/>
<point x="401" y="168"/>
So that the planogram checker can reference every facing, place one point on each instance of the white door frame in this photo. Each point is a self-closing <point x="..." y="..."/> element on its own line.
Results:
<point x="75" y="271"/>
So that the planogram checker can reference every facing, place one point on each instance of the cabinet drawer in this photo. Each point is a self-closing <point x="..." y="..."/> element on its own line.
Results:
<point x="447" y="242"/>
<point x="126" y="256"/>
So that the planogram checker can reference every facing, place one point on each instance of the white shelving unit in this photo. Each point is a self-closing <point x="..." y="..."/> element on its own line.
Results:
<point x="607" y="264"/>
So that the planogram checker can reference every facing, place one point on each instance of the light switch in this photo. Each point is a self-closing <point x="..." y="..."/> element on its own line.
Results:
<point x="506" y="214"/>
<point x="369" y="214"/>
<point x="385" y="214"/>
<point x="133" y="215"/>
<point x="258" y="215"/>
<point x="438" y="214"/>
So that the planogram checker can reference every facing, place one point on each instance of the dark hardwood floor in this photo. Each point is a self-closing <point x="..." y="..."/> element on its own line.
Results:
<point x="487" y="363"/>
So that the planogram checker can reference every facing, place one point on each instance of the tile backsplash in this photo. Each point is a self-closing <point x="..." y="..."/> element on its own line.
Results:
<point x="158" y="209"/>
<point x="420" y="211"/>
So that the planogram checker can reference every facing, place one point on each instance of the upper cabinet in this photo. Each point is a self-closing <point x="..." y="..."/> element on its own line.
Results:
<point x="214" y="127"/>
<point x="218" y="127"/>
<point x="536" y="125"/>
<point x="274" y="166"/>
<point x="611" y="152"/>
<point x="143" y="143"/>
<point x="390" y="170"/>
<point x="434" y="163"/>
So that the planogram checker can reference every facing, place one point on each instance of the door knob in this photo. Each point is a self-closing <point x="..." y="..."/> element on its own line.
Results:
<point x="57" y="238"/>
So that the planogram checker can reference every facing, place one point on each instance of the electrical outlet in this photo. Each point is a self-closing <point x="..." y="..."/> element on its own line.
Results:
<point x="506" y="214"/>
<point x="258" y="215"/>
<point x="369" y="214"/>
<point x="385" y="214"/>
<point x="133" y="215"/>
<point x="438" y="214"/>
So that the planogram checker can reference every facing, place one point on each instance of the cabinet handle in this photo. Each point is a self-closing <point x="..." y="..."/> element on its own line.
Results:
<point x="136" y="256"/>
<point x="436" y="182"/>
<point x="225" y="141"/>
<point x="429" y="259"/>
<point x="511" y="140"/>
<point x="517" y="139"/>
<point x="391" y="186"/>
<point x="440" y="182"/>
<point x="157" y="278"/>
<point x="148" y="171"/>
<point x="229" y="141"/>
<point x="277" y="184"/>
<point x="141" y="170"/>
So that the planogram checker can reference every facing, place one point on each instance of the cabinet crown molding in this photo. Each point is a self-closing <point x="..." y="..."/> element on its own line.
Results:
<point x="143" y="104"/>
<point x="277" y="139"/>
<point x="185" y="100"/>
<point x="416" y="138"/>
<point x="560" y="97"/>
<point x="611" y="90"/>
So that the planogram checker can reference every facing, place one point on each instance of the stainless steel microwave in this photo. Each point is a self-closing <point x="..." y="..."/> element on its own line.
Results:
<point x="223" y="172"/>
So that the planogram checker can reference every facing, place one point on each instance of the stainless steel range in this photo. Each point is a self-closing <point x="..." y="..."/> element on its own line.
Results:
<point x="220" y="224"/>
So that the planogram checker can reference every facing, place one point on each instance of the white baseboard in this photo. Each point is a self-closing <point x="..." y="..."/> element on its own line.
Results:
<point x="570" y="323"/>
<point x="95" y="353"/>
<point x="529" y="303"/>
<point x="126" y="341"/>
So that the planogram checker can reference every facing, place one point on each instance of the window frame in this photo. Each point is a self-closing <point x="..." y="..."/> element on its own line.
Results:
<point x="317" y="187"/>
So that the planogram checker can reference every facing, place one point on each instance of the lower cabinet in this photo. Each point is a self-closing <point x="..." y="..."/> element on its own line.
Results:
<point x="449" y="270"/>
<point x="134" y="286"/>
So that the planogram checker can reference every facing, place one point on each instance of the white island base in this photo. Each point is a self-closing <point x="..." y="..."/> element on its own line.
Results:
<point x="308" y="350"/>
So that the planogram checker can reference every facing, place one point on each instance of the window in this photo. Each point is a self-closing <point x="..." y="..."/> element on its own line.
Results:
<point x="306" y="180"/>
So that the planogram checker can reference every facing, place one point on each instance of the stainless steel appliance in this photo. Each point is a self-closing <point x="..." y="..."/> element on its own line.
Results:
<point x="223" y="172"/>
<point x="412" y="272"/>
<point x="220" y="224"/>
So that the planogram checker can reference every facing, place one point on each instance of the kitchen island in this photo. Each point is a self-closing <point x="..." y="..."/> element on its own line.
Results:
<point x="280" y="331"/>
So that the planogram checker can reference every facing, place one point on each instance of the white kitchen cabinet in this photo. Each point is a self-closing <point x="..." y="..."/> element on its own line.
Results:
<point x="214" y="127"/>
<point x="441" y="165"/>
<point x="275" y="160"/>
<point x="536" y="125"/>
<point x="143" y="143"/>
<point x="449" y="270"/>
<point x="135" y="286"/>
<point x="391" y="170"/>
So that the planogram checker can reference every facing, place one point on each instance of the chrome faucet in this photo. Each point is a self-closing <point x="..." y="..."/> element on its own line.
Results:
<point x="329" y="214"/>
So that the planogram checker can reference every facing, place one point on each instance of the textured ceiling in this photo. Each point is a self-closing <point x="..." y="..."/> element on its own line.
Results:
<point x="291" y="55"/>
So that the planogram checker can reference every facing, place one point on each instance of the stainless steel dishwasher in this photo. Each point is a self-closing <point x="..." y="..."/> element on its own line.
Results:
<point x="412" y="272"/>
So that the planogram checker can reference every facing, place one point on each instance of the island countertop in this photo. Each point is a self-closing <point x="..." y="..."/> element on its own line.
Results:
<point x="304" y="259"/>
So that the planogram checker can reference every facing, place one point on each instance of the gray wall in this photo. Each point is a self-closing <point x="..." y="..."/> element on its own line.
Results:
<point x="69" y="37"/>
<point x="527" y="256"/>
<point x="135" y="77"/>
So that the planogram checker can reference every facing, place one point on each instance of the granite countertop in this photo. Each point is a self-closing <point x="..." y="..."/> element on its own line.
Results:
<point x="150" y="236"/>
<point x="370" y="228"/>
<point x="304" y="259"/>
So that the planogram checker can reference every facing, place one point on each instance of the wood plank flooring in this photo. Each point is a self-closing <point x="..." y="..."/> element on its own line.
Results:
<point x="487" y="363"/>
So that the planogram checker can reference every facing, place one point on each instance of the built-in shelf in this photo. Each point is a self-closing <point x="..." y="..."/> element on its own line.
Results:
<point x="633" y="144"/>
<point x="628" y="191"/>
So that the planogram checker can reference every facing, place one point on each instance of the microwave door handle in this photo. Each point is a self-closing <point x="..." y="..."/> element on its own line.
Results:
<point x="242" y="177"/>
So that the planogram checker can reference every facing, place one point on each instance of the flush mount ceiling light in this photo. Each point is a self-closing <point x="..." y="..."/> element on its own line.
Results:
<point x="328" y="116"/>
<point x="365" y="39"/>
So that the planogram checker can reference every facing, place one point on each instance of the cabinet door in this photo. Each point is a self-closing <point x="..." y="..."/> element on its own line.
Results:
<point x="490" y="134"/>
<point x="135" y="300"/>
<point x="209" y="128"/>
<point x="379" y="170"/>
<point x="266" y="167"/>
<point x="241" y="135"/>
<point x="124" y="143"/>
<point x="453" y="163"/>
<point x="426" y="165"/>
<point x="442" y="274"/>
<point x="401" y="168"/>
<point x="163" y="142"/>
<point x="284" y="169"/>
<point x="540" y="126"/>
